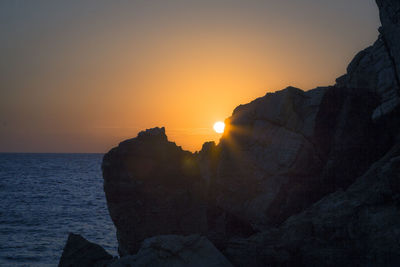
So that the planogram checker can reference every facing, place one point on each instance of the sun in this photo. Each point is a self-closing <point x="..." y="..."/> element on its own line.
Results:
<point x="219" y="127"/>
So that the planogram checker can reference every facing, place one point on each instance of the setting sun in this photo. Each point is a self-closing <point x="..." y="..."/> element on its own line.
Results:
<point x="219" y="127"/>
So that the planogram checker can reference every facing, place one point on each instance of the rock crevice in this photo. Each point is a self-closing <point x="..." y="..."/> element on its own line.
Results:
<point x="394" y="66"/>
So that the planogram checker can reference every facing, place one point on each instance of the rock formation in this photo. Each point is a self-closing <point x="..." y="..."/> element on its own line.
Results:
<point x="356" y="227"/>
<point x="286" y="150"/>
<point x="175" y="251"/>
<point x="377" y="68"/>
<point x="298" y="178"/>
<point x="389" y="11"/>
<point x="163" y="250"/>
<point x="78" y="252"/>
<point x="153" y="188"/>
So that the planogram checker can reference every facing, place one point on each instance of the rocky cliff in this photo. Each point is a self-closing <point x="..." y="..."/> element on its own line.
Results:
<point x="153" y="188"/>
<point x="297" y="179"/>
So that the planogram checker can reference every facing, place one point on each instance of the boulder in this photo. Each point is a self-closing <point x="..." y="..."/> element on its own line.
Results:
<point x="175" y="251"/>
<point x="153" y="187"/>
<point x="265" y="142"/>
<point x="78" y="252"/>
<point x="286" y="150"/>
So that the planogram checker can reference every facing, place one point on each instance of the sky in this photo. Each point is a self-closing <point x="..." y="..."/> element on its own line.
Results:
<point x="81" y="76"/>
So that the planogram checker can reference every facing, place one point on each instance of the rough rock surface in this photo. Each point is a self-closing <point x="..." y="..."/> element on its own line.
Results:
<point x="288" y="149"/>
<point x="175" y="251"/>
<point x="153" y="188"/>
<point x="265" y="141"/>
<point x="389" y="11"/>
<point x="311" y="176"/>
<point x="354" y="124"/>
<point x="356" y="227"/>
<point x="80" y="252"/>
<point x="377" y="68"/>
<point x="373" y="70"/>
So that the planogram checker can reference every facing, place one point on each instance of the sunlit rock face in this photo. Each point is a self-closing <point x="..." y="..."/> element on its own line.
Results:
<point x="153" y="187"/>
<point x="288" y="149"/>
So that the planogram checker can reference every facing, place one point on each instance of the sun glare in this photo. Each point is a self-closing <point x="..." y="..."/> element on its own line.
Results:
<point x="219" y="127"/>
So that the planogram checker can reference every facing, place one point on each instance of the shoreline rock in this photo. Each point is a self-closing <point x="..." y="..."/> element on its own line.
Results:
<point x="173" y="250"/>
<point x="80" y="252"/>
<point x="153" y="188"/>
<point x="298" y="178"/>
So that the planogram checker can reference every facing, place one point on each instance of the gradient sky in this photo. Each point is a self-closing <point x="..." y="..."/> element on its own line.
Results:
<point x="81" y="76"/>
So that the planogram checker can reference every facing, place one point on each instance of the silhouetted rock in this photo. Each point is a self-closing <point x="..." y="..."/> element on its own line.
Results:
<point x="208" y="161"/>
<point x="377" y="68"/>
<point x="389" y="11"/>
<point x="356" y="227"/>
<point x="78" y="252"/>
<point x="298" y="178"/>
<point x="153" y="188"/>
<point x="288" y="149"/>
<point x="222" y="224"/>
<point x="373" y="70"/>
<point x="175" y="251"/>
<point x="266" y="142"/>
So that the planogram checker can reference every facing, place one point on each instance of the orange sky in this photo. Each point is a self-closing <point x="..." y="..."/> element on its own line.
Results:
<point x="81" y="76"/>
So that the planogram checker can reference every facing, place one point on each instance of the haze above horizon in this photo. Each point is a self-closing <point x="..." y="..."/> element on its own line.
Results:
<point x="81" y="76"/>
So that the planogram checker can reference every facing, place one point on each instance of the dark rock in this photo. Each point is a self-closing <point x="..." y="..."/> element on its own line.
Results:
<point x="266" y="142"/>
<point x="373" y="70"/>
<point x="153" y="187"/>
<point x="377" y="68"/>
<point x="347" y="137"/>
<point x="208" y="158"/>
<point x="389" y="11"/>
<point x="356" y="227"/>
<point x="357" y="221"/>
<point x="175" y="251"/>
<point x="80" y="252"/>
<point x="294" y="170"/>
<point x="288" y="149"/>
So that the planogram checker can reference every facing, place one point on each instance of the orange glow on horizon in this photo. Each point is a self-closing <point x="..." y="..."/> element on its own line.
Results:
<point x="79" y="77"/>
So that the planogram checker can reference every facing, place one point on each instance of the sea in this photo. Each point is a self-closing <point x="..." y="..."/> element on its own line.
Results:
<point x="44" y="197"/>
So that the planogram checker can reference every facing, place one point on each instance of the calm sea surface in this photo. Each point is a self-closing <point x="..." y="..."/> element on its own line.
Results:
<point x="43" y="197"/>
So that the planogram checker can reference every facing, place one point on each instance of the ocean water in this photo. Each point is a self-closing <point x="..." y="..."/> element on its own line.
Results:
<point x="43" y="197"/>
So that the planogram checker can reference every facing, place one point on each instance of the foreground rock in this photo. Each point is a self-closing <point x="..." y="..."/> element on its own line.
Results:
<point x="312" y="176"/>
<point x="175" y="251"/>
<point x="288" y="149"/>
<point x="356" y="227"/>
<point x="284" y="151"/>
<point x="153" y="188"/>
<point x="159" y="251"/>
<point x="80" y="252"/>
